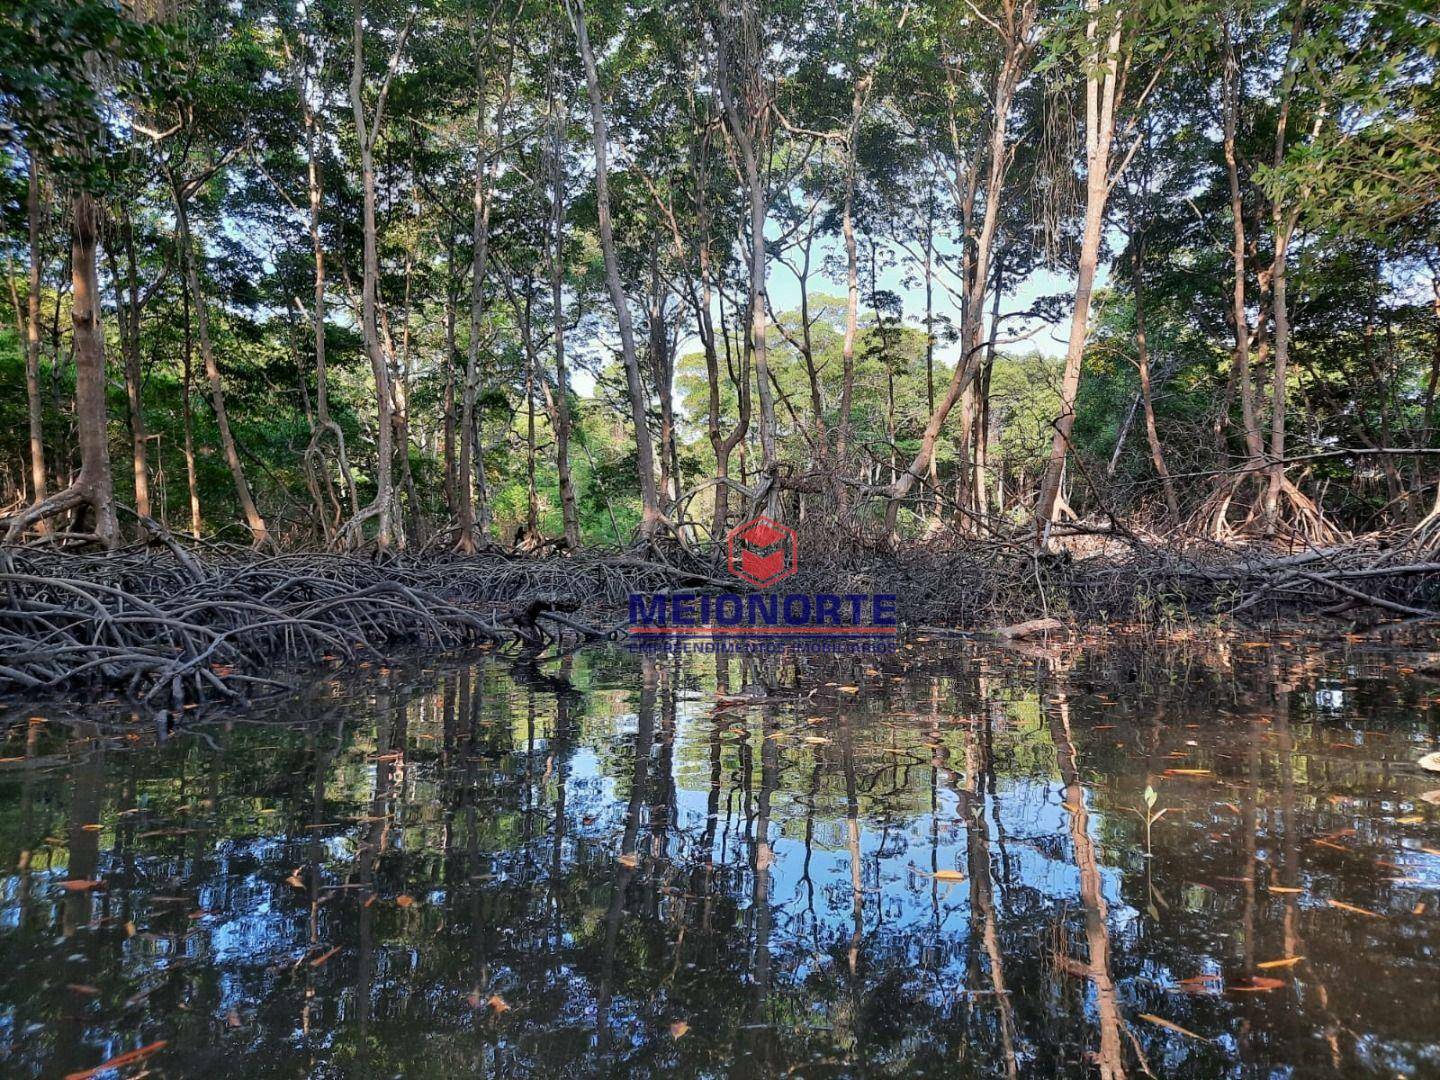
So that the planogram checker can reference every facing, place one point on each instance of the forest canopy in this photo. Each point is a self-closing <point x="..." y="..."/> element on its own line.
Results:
<point x="459" y="273"/>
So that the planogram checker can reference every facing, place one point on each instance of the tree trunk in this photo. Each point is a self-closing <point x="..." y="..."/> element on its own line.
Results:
<point x="383" y="507"/>
<point x="93" y="485"/>
<point x="644" y="451"/>
<point x="127" y="317"/>
<point x="188" y="419"/>
<point x="474" y="504"/>
<point x="569" y="514"/>
<point x="451" y="487"/>
<point x="259" y="533"/>
<point x="323" y="421"/>
<point x="1152" y="435"/>
<point x="977" y="275"/>
<point x="1100" y="90"/>
<point x="34" y="407"/>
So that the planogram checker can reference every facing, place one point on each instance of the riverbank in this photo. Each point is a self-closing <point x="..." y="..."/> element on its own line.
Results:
<point x="169" y="627"/>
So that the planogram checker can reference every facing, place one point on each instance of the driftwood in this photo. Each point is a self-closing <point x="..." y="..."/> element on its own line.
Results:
<point x="1030" y="628"/>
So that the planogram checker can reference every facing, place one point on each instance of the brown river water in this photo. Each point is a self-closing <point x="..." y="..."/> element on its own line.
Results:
<point x="941" y="862"/>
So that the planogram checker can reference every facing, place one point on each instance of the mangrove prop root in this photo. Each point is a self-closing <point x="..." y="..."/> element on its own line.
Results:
<point x="171" y="627"/>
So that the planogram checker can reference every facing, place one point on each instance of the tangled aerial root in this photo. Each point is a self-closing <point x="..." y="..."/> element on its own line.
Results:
<point x="170" y="629"/>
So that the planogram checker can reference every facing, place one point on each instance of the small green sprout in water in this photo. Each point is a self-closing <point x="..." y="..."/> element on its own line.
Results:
<point x="1149" y="815"/>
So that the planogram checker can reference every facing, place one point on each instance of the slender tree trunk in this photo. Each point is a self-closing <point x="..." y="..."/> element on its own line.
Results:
<point x="474" y="505"/>
<point x="33" y="404"/>
<point x="1283" y="224"/>
<point x="532" y="495"/>
<point x="93" y="486"/>
<point x="852" y="319"/>
<point x="759" y="325"/>
<point x="977" y="274"/>
<point x="644" y="450"/>
<point x="661" y="367"/>
<point x="383" y="508"/>
<point x="127" y="317"/>
<point x="451" y="486"/>
<point x="187" y="415"/>
<point x="1253" y="447"/>
<point x="722" y="445"/>
<point x="748" y="132"/>
<point x="259" y="533"/>
<point x="569" y="514"/>
<point x="323" y="420"/>
<point x="1100" y="90"/>
<point x="1152" y="434"/>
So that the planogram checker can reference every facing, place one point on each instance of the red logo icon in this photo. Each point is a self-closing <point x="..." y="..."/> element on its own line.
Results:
<point x="762" y="552"/>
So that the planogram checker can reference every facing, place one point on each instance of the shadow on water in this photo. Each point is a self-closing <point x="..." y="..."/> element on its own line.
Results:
<point x="942" y="862"/>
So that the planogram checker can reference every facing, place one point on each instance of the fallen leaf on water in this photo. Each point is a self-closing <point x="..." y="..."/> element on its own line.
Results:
<point x="1070" y="806"/>
<point x="294" y="879"/>
<point x="233" y="1018"/>
<point x="1432" y="797"/>
<point x="1199" y="984"/>
<point x="1289" y="961"/>
<point x="1188" y="772"/>
<point x="856" y="690"/>
<point x="1351" y="907"/>
<point x="80" y="885"/>
<point x="404" y="900"/>
<point x="1430" y="762"/>
<point x="1256" y="984"/>
<point x="1410" y="819"/>
<point x="92" y="827"/>
<point x="83" y="988"/>
<point x="949" y="875"/>
<point x="1171" y="1026"/>
<point x="629" y="861"/>
<point x="127" y="1058"/>
<point x="1419" y="908"/>
<point x="678" y="1029"/>
<point x="498" y="1003"/>
<point x="1285" y="889"/>
<point x="817" y="739"/>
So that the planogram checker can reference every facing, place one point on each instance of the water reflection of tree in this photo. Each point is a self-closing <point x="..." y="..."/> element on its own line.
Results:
<point x="609" y="864"/>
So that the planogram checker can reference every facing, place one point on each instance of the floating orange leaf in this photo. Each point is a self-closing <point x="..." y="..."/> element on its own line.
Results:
<point x="1256" y="984"/>
<point x="127" y="1058"/>
<point x="1352" y="908"/>
<point x="498" y="1003"/>
<point x="404" y="900"/>
<point x="81" y="885"/>
<point x="678" y="1029"/>
<point x="1288" y="961"/>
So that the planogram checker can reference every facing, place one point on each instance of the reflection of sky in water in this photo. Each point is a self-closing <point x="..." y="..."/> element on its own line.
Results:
<point x="255" y="931"/>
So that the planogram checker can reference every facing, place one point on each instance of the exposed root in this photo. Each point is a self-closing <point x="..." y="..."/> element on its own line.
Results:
<point x="170" y="630"/>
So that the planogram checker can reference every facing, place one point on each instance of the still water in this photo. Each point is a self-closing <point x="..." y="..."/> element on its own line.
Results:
<point x="937" y="863"/>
